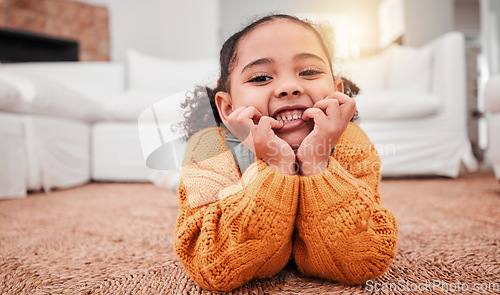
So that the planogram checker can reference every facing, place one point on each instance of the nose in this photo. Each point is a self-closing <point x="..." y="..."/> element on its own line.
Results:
<point x="288" y="88"/>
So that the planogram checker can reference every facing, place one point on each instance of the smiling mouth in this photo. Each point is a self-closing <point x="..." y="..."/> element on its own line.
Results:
<point x="289" y="115"/>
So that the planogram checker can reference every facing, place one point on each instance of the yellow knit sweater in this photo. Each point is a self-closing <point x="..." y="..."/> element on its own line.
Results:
<point x="233" y="228"/>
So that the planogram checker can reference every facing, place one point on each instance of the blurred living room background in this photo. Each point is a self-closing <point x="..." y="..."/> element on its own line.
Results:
<point x="69" y="112"/>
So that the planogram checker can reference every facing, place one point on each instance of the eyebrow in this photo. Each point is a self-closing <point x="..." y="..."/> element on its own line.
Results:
<point x="257" y="62"/>
<point x="306" y="55"/>
<point x="299" y="56"/>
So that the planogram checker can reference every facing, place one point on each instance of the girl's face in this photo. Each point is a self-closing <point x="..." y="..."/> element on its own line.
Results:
<point x="281" y="70"/>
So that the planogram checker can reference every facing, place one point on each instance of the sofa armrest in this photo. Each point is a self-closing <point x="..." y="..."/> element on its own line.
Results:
<point x="448" y="75"/>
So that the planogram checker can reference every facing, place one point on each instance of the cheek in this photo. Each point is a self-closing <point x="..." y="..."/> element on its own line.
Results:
<point x="322" y="90"/>
<point x="257" y="97"/>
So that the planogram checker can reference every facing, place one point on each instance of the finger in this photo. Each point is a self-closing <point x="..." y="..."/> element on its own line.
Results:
<point x="241" y="122"/>
<point x="267" y="124"/>
<point x="234" y="118"/>
<point x="347" y="107"/>
<point x="264" y="130"/>
<point x="244" y="115"/>
<point x="329" y="106"/>
<point x="251" y="113"/>
<point x="348" y="110"/>
<point x="325" y="103"/>
<point x="341" y="97"/>
<point x="264" y="133"/>
<point x="316" y="114"/>
<point x="235" y="113"/>
<point x="347" y="104"/>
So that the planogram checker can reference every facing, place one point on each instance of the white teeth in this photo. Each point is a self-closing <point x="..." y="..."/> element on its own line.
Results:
<point x="289" y="116"/>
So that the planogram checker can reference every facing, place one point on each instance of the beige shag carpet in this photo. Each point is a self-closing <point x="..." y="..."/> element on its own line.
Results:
<point x="117" y="239"/>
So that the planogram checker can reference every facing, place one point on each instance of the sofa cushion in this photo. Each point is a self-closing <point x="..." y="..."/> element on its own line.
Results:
<point x="151" y="73"/>
<point x="127" y="106"/>
<point x="22" y="84"/>
<point x="370" y="74"/>
<point x="9" y="95"/>
<point x="391" y="105"/>
<point x="410" y="69"/>
<point x="93" y="79"/>
<point x="46" y="97"/>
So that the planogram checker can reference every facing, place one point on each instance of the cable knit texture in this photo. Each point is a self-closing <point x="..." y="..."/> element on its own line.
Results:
<point x="233" y="228"/>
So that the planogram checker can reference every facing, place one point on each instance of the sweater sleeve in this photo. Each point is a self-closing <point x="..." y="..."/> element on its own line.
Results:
<point x="343" y="231"/>
<point x="246" y="233"/>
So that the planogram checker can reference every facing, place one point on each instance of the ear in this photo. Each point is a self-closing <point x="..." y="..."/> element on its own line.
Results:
<point x="224" y="105"/>
<point x="339" y="85"/>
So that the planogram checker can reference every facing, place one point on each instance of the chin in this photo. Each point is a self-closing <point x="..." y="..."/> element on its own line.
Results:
<point x="295" y="143"/>
<point x="295" y="138"/>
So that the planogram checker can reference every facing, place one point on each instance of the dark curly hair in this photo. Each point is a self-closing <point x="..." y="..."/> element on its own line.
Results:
<point x="202" y="98"/>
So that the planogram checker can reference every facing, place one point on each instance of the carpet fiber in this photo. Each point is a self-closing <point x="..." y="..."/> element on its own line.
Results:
<point x="117" y="239"/>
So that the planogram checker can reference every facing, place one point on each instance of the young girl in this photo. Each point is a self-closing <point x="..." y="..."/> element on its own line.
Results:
<point x="285" y="174"/>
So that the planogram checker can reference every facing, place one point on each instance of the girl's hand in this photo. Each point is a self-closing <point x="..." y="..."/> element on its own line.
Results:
<point x="255" y="131"/>
<point x="331" y="116"/>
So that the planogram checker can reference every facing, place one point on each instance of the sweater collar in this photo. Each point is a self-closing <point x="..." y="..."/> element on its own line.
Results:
<point x="243" y="156"/>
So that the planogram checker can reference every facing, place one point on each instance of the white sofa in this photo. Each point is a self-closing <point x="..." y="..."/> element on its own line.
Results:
<point x="64" y="124"/>
<point x="413" y="107"/>
<point x="492" y="108"/>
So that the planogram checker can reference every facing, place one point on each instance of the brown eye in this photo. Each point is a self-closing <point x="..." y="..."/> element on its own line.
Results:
<point x="310" y="72"/>
<point x="260" y="78"/>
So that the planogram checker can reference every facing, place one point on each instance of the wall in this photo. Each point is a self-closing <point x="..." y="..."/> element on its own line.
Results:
<point x="427" y="19"/>
<point x="86" y="23"/>
<point x="362" y="15"/>
<point x="467" y="16"/>
<point x="490" y="35"/>
<point x="197" y="28"/>
<point x="173" y="29"/>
